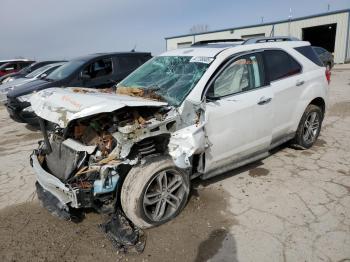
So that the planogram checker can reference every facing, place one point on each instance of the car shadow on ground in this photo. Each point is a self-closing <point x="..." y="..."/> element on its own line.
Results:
<point x="255" y="169"/>
<point x="32" y="128"/>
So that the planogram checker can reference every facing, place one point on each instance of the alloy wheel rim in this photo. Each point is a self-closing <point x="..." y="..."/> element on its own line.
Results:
<point x="164" y="195"/>
<point x="311" y="126"/>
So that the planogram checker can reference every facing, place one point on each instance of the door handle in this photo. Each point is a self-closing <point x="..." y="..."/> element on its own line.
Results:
<point x="264" y="100"/>
<point x="300" y="82"/>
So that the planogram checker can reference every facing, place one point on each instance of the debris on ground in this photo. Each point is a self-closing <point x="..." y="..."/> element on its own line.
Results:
<point x="124" y="235"/>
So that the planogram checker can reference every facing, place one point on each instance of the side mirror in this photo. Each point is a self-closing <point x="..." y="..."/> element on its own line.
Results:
<point x="210" y="95"/>
<point x="211" y="98"/>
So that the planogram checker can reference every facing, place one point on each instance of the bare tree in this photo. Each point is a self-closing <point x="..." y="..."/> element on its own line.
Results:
<point x="200" y="28"/>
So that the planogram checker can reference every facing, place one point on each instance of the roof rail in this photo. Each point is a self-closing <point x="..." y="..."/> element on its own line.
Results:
<point x="204" y="42"/>
<point x="256" y="40"/>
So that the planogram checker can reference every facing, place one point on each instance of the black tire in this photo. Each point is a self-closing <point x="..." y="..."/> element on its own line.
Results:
<point x="144" y="178"/>
<point x="305" y="137"/>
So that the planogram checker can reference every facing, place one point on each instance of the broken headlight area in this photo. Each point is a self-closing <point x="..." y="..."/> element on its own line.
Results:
<point x="91" y="161"/>
<point x="83" y="165"/>
<point x="122" y="233"/>
<point x="92" y="155"/>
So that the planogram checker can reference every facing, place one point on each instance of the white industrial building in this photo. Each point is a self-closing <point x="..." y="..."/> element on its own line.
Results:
<point x="329" y="30"/>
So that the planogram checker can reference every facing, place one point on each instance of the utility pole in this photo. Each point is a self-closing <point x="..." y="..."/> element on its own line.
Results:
<point x="290" y="20"/>
<point x="262" y="19"/>
<point x="328" y="7"/>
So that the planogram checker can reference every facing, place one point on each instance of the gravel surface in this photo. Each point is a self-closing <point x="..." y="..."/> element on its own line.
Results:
<point x="291" y="206"/>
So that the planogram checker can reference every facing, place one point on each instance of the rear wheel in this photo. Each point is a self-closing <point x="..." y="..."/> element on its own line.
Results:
<point x="154" y="192"/>
<point x="309" y="127"/>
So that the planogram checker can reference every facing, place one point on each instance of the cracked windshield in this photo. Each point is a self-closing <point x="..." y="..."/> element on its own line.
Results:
<point x="166" y="78"/>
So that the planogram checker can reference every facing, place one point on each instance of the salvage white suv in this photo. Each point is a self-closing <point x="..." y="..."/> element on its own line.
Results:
<point x="192" y="112"/>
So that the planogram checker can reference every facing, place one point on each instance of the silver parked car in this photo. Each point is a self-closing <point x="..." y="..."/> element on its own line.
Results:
<point x="40" y="73"/>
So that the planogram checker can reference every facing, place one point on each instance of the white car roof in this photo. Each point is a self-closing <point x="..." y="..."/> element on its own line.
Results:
<point x="195" y="51"/>
<point x="14" y="60"/>
<point x="211" y="50"/>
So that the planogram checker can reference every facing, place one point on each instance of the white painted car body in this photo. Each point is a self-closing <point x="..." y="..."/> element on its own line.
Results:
<point x="238" y="129"/>
<point x="79" y="105"/>
<point x="225" y="133"/>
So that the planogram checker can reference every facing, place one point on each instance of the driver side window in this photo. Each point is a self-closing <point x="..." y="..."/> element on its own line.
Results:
<point x="243" y="74"/>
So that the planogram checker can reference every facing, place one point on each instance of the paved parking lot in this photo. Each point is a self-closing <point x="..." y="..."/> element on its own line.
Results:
<point x="292" y="206"/>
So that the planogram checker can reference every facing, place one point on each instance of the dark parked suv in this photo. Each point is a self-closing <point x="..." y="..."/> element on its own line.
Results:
<point x="91" y="71"/>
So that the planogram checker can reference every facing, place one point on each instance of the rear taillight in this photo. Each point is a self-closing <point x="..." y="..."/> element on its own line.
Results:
<point x="328" y="75"/>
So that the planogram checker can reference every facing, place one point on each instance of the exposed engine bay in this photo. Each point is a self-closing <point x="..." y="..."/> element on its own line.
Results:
<point x="93" y="154"/>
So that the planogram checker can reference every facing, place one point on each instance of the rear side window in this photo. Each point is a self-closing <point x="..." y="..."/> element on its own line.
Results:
<point x="23" y="65"/>
<point x="319" y="50"/>
<point x="280" y="64"/>
<point x="309" y="53"/>
<point x="10" y="66"/>
<point x="129" y="63"/>
<point x="144" y="58"/>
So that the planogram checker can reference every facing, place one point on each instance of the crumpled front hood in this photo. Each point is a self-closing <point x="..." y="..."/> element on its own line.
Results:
<point x="62" y="105"/>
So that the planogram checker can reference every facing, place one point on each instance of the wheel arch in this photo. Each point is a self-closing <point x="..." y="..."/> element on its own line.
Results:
<point x="319" y="101"/>
<point x="133" y="188"/>
<point x="304" y="103"/>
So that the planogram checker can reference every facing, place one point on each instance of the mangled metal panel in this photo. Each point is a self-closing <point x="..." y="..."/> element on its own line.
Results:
<point x="62" y="105"/>
<point x="186" y="142"/>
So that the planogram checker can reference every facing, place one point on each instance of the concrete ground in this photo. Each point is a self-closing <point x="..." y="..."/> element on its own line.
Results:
<point x="292" y="206"/>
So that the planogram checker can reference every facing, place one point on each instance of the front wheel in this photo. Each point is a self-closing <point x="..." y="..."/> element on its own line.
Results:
<point x="154" y="192"/>
<point x="309" y="127"/>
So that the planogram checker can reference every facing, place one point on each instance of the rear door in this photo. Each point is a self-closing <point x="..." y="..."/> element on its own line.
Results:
<point x="286" y="80"/>
<point x="239" y="113"/>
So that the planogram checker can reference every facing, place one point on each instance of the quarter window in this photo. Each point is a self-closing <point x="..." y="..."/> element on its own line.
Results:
<point x="23" y="65"/>
<point x="280" y="64"/>
<point x="243" y="74"/>
<point x="309" y="53"/>
<point x="11" y="67"/>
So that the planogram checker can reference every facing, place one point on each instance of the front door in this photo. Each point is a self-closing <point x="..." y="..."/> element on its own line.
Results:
<point x="239" y="113"/>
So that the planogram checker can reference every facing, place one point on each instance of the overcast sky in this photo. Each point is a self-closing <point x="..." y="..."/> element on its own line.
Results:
<point x="52" y="29"/>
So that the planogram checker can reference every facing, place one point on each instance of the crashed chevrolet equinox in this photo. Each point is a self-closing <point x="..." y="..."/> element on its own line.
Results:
<point x="193" y="112"/>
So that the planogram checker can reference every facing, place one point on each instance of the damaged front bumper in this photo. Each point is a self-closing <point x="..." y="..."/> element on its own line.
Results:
<point x="56" y="197"/>
<point x="66" y="195"/>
